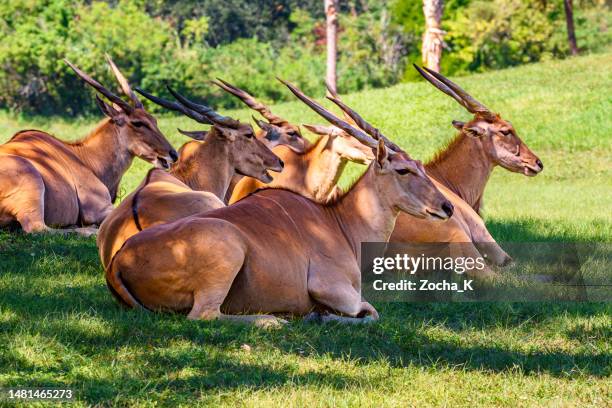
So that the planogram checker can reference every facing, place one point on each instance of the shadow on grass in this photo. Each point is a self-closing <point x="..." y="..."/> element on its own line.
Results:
<point x="83" y="318"/>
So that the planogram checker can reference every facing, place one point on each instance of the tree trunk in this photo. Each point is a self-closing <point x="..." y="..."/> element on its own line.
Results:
<point x="432" y="37"/>
<point x="569" y="20"/>
<point x="331" y="20"/>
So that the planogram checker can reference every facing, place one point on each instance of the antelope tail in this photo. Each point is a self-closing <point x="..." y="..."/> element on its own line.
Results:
<point x="117" y="287"/>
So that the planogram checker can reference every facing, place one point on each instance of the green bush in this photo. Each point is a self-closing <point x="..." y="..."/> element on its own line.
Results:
<point x="494" y="34"/>
<point x="36" y="37"/>
<point x="187" y="43"/>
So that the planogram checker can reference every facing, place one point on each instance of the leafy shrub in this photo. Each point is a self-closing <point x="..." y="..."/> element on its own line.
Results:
<point x="187" y="43"/>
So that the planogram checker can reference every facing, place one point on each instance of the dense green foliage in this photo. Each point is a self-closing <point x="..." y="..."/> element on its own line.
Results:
<point x="186" y="43"/>
<point x="60" y="327"/>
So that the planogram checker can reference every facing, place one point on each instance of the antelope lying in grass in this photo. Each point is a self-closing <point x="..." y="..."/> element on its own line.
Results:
<point x="464" y="168"/>
<point x="197" y="182"/>
<point x="47" y="182"/>
<point x="313" y="172"/>
<point x="275" y="251"/>
<point x="461" y="172"/>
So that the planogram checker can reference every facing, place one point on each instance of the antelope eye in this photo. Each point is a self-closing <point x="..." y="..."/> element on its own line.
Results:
<point x="506" y="132"/>
<point x="402" y="172"/>
<point x="249" y="135"/>
<point x="138" y="124"/>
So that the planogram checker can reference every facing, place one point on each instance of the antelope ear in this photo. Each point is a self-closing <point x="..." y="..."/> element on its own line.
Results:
<point x="457" y="124"/>
<point x="474" y="131"/>
<point x="227" y="133"/>
<point x="110" y="111"/>
<point x="197" y="135"/>
<point x="381" y="154"/>
<point x="318" y="129"/>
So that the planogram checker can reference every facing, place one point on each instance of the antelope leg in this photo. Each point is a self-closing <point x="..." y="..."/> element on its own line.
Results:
<point x="339" y="296"/>
<point x="484" y="241"/>
<point x="204" y="310"/>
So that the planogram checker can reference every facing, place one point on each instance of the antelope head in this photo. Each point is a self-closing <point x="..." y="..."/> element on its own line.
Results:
<point x="276" y="131"/>
<point x="249" y="156"/>
<point x="136" y="128"/>
<point x="345" y="146"/>
<point x="495" y="137"/>
<point x="400" y="181"/>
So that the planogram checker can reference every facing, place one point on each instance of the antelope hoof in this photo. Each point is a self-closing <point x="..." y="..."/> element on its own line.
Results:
<point x="507" y="261"/>
<point x="313" y="317"/>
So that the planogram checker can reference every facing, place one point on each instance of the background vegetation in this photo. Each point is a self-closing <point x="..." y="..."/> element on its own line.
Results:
<point x="248" y="42"/>
<point x="60" y="327"/>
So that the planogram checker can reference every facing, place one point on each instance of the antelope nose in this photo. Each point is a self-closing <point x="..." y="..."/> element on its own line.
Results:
<point x="448" y="208"/>
<point x="174" y="155"/>
<point x="539" y="163"/>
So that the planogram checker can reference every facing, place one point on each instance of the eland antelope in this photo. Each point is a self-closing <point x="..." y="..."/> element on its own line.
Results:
<point x="197" y="182"/>
<point x="46" y="182"/>
<point x="276" y="251"/>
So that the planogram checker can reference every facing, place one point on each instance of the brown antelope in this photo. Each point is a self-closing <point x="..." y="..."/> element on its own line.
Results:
<point x="196" y="183"/>
<point x="276" y="131"/>
<point x="313" y="172"/>
<point x="461" y="172"/>
<point x="487" y="140"/>
<point x="46" y="182"/>
<point x="275" y="251"/>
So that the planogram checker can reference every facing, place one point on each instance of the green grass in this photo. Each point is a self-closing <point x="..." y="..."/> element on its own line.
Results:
<point x="60" y="327"/>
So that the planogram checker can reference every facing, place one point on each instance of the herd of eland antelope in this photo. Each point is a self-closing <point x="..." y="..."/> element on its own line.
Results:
<point x="247" y="225"/>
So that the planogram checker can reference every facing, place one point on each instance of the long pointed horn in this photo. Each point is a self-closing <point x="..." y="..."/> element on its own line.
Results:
<point x="333" y="93"/>
<point x="125" y="85"/>
<point x="251" y="102"/>
<point x="175" y="107"/>
<point x="330" y="117"/>
<point x="126" y="107"/>
<point x="454" y="91"/>
<point x="206" y="111"/>
<point x="363" y="124"/>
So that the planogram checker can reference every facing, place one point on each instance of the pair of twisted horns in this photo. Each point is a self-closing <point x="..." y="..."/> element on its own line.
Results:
<point x="366" y="129"/>
<point x="454" y="91"/>
<point x="198" y="112"/>
<point x="251" y="102"/>
<point x="125" y="86"/>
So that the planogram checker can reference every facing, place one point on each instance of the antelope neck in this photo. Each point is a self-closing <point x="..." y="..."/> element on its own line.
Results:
<point x="464" y="168"/>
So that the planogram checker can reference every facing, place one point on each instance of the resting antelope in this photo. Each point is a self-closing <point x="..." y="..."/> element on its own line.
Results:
<point x="46" y="182"/>
<point x="461" y="172"/>
<point x="312" y="172"/>
<point x="275" y="251"/>
<point x="464" y="168"/>
<point x="197" y="182"/>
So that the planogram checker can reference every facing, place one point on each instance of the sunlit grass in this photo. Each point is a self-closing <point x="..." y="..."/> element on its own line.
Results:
<point x="60" y="327"/>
